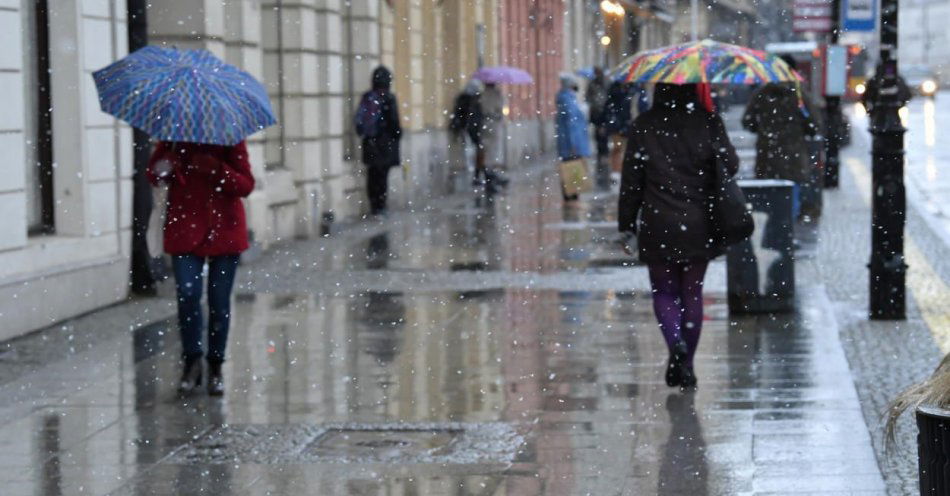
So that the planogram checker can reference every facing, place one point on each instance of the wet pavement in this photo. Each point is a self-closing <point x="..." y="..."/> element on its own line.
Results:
<point x="502" y="347"/>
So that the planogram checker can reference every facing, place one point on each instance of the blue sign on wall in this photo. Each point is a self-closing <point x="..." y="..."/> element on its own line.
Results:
<point x="859" y="15"/>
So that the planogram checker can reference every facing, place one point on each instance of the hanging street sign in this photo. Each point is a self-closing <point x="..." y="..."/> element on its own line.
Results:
<point x="811" y="16"/>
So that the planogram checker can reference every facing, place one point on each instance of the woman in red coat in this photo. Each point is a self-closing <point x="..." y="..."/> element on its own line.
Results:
<point x="204" y="223"/>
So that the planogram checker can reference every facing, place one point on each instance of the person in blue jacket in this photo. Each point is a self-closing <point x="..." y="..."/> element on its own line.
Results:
<point x="573" y="140"/>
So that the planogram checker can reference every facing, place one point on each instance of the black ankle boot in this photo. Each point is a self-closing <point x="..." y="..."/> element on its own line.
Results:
<point x="688" y="378"/>
<point x="215" y="379"/>
<point x="190" y="375"/>
<point x="675" y="365"/>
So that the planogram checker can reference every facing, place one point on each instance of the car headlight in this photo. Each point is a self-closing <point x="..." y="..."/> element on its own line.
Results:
<point x="928" y="87"/>
<point x="860" y="88"/>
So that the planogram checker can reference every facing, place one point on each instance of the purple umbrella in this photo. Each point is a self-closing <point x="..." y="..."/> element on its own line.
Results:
<point x="503" y="74"/>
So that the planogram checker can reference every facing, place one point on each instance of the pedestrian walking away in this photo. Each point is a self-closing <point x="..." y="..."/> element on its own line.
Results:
<point x="596" y="96"/>
<point x="617" y="119"/>
<point x="468" y="119"/>
<point x="494" y="135"/>
<point x="377" y="123"/>
<point x="782" y="118"/>
<point x="669" y="176"/>
<point x="205" y="223"/>
<point x="573" y="138"/>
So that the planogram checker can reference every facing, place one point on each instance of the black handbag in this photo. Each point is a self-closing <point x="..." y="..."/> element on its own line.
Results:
<point x="731" y="217"/>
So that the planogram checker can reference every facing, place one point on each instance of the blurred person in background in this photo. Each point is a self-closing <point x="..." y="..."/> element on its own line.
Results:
<point x="596" y="96"/>
<point x="493" y="133"/>
<point x="377" y="123"/>
<point x="573" y="137"/>
<point x="782" y="119"/>
<point x="617" y="119"/>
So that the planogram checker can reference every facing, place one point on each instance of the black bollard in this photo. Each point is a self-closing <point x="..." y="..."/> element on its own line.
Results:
<point x="933" y="450"/>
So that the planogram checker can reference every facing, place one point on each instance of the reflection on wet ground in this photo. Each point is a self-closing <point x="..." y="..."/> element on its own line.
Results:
<point x="509" y="389"/>
<point x="576" y="375"/>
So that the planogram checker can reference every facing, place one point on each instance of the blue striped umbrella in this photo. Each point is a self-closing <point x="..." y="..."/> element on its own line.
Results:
<point x="184" y="95"/>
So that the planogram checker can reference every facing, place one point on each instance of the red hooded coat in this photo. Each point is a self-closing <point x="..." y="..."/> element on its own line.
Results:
<point x="205" y="216"/>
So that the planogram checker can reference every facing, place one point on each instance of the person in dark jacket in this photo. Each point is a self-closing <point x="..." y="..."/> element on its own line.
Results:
<point x="782" y="119"/>
<point x="468" y="119"/>
<point x="879" y="80"/>
<point x="378" y="124"/>
<point x="668" y="176"/>
<point x="205" y="223"/>
<point x="617" y="119"/>
<point x="596" y="96"/>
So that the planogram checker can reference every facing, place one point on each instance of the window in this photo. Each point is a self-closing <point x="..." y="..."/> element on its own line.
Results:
<point x="39" y="174"/>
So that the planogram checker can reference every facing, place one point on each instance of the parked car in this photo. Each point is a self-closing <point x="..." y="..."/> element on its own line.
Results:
<point x="922" y="80"/>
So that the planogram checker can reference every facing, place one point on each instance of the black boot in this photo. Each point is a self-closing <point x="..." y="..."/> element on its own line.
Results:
<point x="688" y="378"/>
<point x="190" y="375"/>
<point x="215" y="379"/>
<point x="676" y="363"/>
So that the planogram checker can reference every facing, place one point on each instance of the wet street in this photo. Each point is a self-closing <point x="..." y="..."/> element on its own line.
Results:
<point x="503" y="347"/>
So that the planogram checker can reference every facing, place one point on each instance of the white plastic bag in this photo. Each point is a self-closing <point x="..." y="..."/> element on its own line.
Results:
<point x="155" y="233"/>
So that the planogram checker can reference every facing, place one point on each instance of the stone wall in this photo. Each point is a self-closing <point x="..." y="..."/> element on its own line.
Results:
<point x="79" y="261"/>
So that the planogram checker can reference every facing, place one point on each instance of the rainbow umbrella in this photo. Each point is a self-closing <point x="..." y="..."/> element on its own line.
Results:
<point x="705" y="61"/>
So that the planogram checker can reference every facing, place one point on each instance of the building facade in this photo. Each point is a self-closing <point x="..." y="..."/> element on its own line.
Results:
<point x="65" y="232"/>
<point x="923" y="37"/>
<point x="68" y="195"/>
<point x="730" y="21"/>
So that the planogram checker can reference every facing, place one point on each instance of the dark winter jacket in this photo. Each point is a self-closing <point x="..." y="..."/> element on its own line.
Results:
<point x="468" y="116"/>
<point x="596" y="97"/>
<point x="781" y="125"/>
<point x="205" y="216"/>
<point x="617" y="111"/>
<point x="878" y="81"/>
<point x="668" y="175"/>
<point x="383" y="150"/>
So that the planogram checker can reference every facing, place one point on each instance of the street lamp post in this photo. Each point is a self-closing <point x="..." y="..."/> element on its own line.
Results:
<point x="887" y="268"/>
<point x="833" y="111"/>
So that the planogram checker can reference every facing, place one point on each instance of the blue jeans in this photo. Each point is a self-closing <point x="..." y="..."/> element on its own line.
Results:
<point x="188" y="282"/>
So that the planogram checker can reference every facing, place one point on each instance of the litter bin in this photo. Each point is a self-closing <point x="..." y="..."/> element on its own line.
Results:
<point x="760" y="271"/>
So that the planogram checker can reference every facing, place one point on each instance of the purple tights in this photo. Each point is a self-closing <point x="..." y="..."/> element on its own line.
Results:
<point x="678" y="302"/>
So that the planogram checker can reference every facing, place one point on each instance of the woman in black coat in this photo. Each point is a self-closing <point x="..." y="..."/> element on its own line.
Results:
<point x="668" y="176"/>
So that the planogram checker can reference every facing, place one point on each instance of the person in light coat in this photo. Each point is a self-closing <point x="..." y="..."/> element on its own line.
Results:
<point x="573" y="140"/>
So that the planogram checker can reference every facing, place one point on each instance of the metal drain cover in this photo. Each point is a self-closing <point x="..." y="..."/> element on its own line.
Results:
<point x="397" y="443"/>
<point x="382" y="445"/>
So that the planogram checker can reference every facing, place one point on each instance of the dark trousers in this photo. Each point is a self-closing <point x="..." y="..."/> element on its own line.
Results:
<point x="188" y="282"/>
<point x="602" y="138"/>
<point x="377" y="187"/>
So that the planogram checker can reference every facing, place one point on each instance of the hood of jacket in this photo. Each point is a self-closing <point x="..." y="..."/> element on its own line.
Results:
<point x="676" y="97"/>
<point x="382" y="78"/>
<point x="781" y="94"/>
